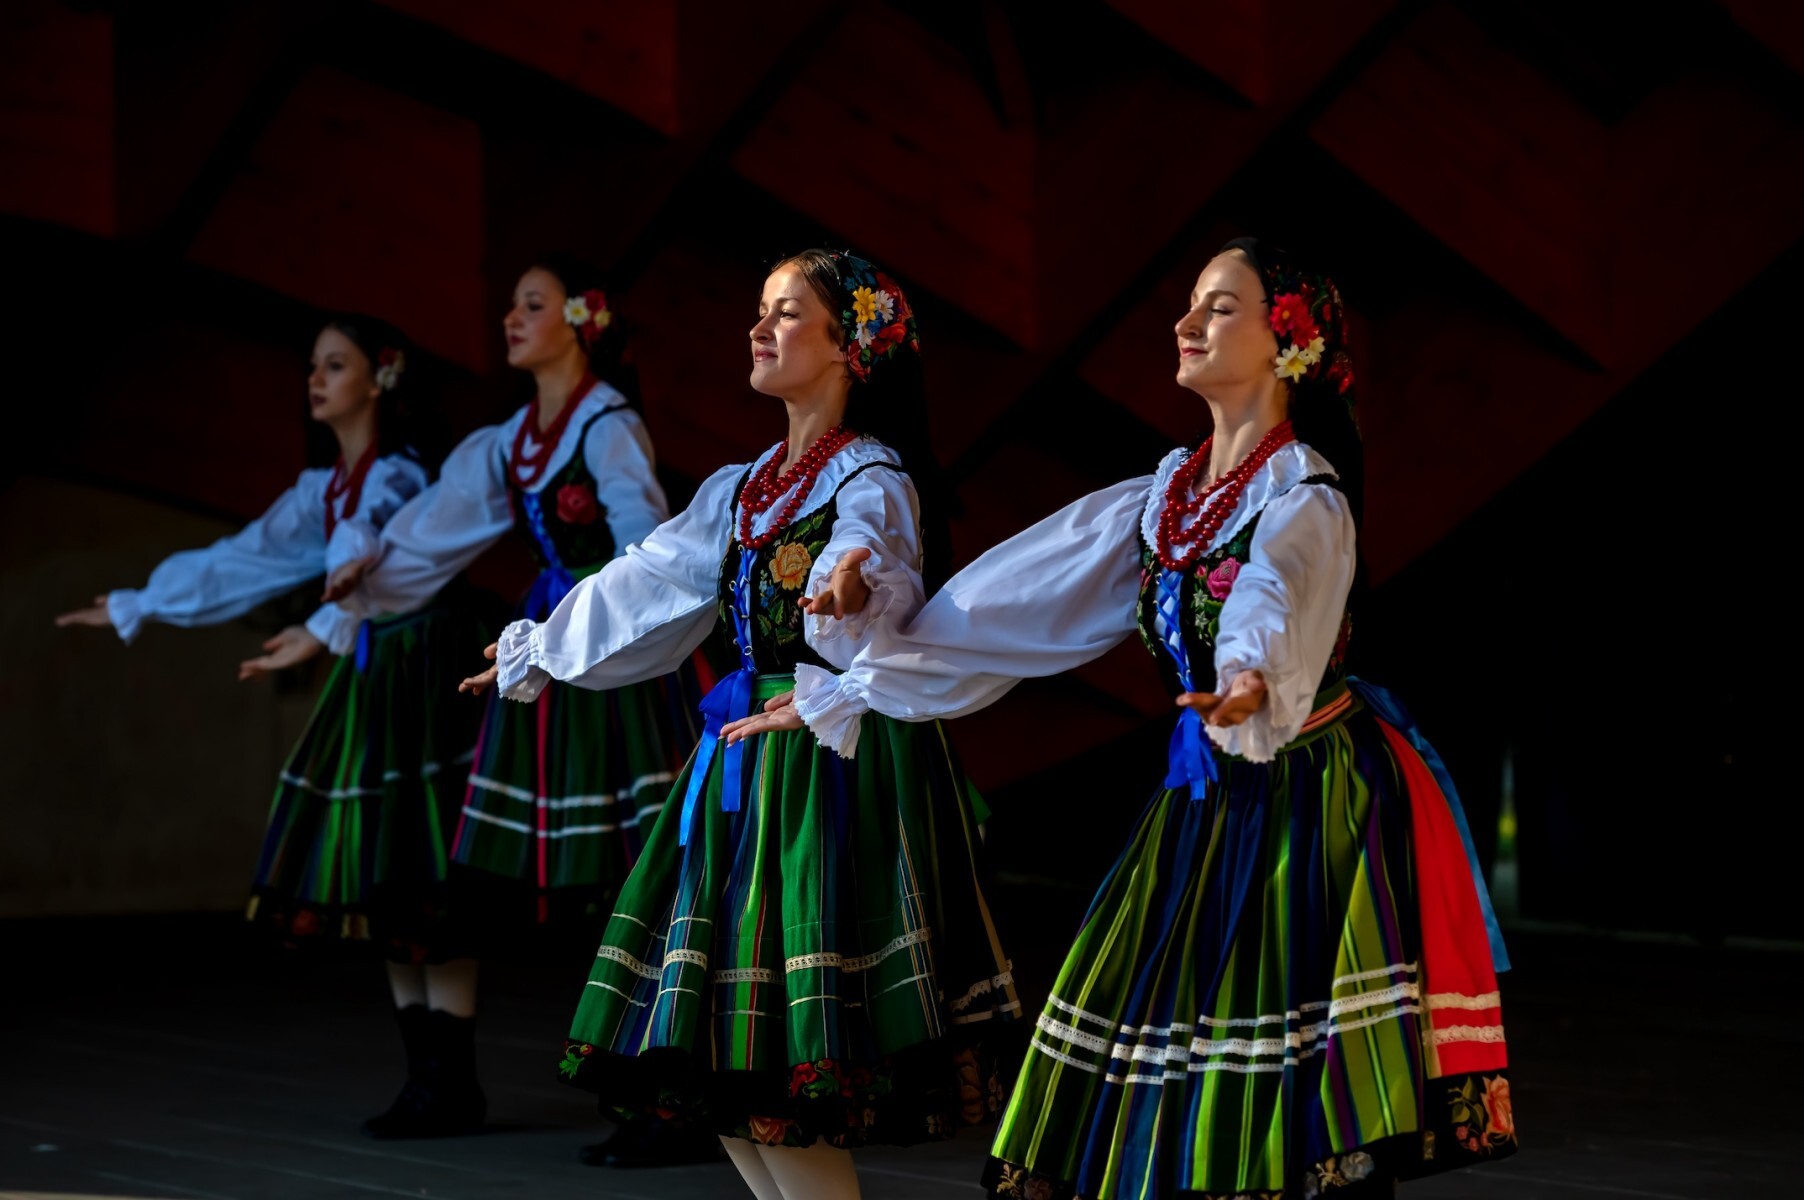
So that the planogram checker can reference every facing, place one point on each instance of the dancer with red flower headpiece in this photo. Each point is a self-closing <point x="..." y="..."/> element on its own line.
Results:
<point x="1286" y="985"/>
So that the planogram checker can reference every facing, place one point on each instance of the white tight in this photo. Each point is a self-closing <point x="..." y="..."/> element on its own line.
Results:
<point x="449" y="987"/>
<point x="821" y="1172"/>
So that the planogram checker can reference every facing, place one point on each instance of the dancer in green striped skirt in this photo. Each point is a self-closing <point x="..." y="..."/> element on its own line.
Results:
<point x="1286" y="985"/>
<point x="357" y="846"/>
<point x="559" y="793"/>
<point x="803" y="958"/>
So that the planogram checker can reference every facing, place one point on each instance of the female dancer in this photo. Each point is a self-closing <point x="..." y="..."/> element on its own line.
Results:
<point x="356" y="848"/>
<point x="552" y="816"/>
<point x="1286" y="984"/>
<point x="803" y="956"/>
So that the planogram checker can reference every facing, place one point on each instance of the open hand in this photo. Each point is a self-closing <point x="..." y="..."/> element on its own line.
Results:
<point x="846" y="592"/>
<point x="96" y="615"/>
<point x="344" y="581"/>
<point x="293" y="645"/>
<point x="1244" y="697"/>
<point x="475" y="685"/>
<point x="779" y="713"/>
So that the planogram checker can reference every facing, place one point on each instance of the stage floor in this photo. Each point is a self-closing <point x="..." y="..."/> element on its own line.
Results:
<point x="172" y="1058"/>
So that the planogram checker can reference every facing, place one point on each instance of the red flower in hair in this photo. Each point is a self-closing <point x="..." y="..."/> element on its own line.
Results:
<point x="1290" y="315"/>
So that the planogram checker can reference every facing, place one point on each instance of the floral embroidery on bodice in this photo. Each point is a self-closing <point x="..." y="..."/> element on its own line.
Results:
<point x="1205" y="591"/>
<point x="565" y="522"/>
<point x="779" y="579"/>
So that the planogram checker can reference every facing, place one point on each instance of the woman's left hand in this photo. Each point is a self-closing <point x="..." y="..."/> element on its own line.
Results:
<point x="1244" y="697"/>
<point x="475" y="685"/>
<point x="294" y="645"/>
<point x="779" y="713"/>
<point x="846" y="592"/>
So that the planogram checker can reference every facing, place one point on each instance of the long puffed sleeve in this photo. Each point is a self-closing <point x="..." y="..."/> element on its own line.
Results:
<point x="877" y="510"/>
<point x="280" y="550"/>
<point x="1051" y="598"/>
<point x="618" y="453"/>
<point x="392" y="481"/>
<point x="639" y="616"/>
<point x="1284" y="613"/>
<point x="440" y="531"/>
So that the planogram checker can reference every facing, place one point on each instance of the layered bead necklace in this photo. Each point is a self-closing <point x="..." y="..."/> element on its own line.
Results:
<point x="1179" y="548"/>
<point x="527" y="466"/>
<point x="346" y="487"/>
<point x="764" y="487"/>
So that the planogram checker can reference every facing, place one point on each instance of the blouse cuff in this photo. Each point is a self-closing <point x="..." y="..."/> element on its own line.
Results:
<point x="832" y="706"/>
<point x="334" y="627"/>
<point x="126" y="612"/>
<point x="1258" y="738"/>
<point x="885" y="583"/>
<point x="519" y="656"/>
<point x="351" y="540"/>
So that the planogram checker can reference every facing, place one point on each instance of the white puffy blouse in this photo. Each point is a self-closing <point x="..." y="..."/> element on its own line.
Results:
<point x="280" y="550"/>
<point x="1066" y="590"/>
<point x="641" y="615"/>
<point x="445" y="528"/>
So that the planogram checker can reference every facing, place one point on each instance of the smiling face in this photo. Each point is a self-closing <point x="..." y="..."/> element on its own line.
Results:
<point x="796" y="342"/>
<point x="1226" y="338"/>
<point x="341" y="385"/>
<point x="537" y="334"/>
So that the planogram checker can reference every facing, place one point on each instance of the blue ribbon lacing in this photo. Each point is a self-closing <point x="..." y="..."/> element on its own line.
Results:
<point x="728" y="700"/>
<point x="555" y="581"/>
<point x="1190" y="762"/>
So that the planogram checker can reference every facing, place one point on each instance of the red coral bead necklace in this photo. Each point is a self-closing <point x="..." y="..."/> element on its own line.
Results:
<point x="1179" y="548"/>
<point x="764" y="487"/>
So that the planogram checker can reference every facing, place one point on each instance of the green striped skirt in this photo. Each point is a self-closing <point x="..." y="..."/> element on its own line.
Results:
<point x="819" y="963"/>
<point x="355" y="849"/>
<point x="564" y="789"/>
<point x="1281" y="989"/>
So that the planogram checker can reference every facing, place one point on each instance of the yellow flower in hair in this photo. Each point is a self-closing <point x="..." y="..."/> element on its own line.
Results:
<point x="864" y="305"/>
<point x="605" y="318"/>
<point x="1292" y="365"/>
<point x="1312" y="353"/>
<point x="576" y="311"/>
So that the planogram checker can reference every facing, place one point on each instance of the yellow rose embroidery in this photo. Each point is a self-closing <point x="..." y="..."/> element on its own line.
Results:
<point x="789" y="565"/>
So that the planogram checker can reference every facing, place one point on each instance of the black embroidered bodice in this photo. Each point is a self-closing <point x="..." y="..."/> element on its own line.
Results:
<point x="1205" y="590"/>
<point x="565" y="522"/>
<point x="778" y="579"/>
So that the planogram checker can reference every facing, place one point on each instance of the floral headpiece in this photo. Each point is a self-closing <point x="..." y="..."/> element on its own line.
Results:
<point x="876" y="315"/>
<point x="389" y="365"/>
<point x="1307" y="316"/>
<point x="589" y="315"/>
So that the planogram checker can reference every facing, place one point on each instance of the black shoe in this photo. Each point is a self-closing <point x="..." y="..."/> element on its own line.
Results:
<point x="654" y="1142"/>
<point x="441" y="1097"/>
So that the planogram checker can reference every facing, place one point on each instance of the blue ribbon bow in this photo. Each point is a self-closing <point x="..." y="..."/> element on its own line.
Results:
<point x="548" y="591"/>
<point x="1190" y="762"/>
<point x="728" y="700"/>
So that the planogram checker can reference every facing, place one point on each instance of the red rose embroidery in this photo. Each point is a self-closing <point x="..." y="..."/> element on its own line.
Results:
<point x="1221" y="580"/>
<point x="576" y="504"/>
